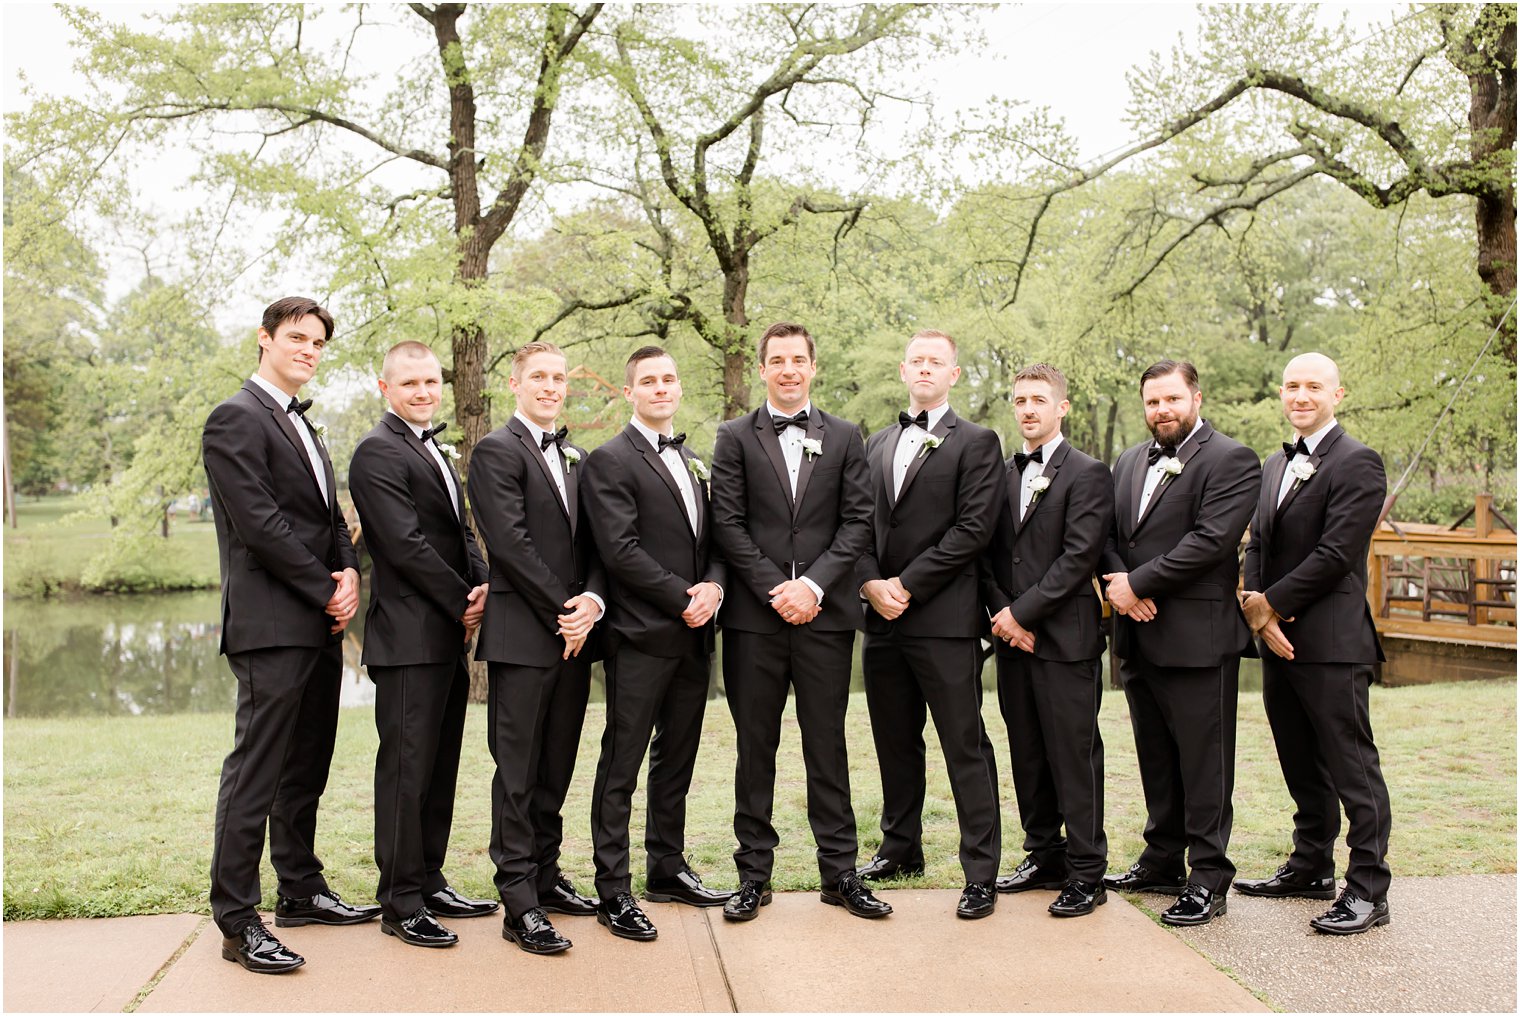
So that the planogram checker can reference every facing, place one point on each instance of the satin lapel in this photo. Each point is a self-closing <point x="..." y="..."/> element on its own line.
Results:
<point x="888" y="455"/>
<point x="699" y="491"/>
<point x="536" y="454"/>
<point x="805" y="470"/>
<point x="941" y="430"/>
<point x="1052" y="467"/>
<point x="765" y="433"/>
<point x="412" y="441"/>
<point x="662" y="471"/>
<point x="572" y="489"/>
<point x="1136" y="488"/>
<point x="1271" y="483"/>
<point x="1319" y="452"/>
<point x="1013" y="483"/>
<point x="1184" y="455"/>
<point x="282" y="420"/>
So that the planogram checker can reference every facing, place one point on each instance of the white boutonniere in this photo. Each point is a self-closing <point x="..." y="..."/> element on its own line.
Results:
<point x="1169" y="467"/>
<point x="1039" y="485"/>
<point x="931" y="442"/>
<point x="698" y="469"/>
<point x="812" y="447"/>
<point x="572" y="457"/>
<point x="1302" y="470"/>
<point x="447" y="449"/>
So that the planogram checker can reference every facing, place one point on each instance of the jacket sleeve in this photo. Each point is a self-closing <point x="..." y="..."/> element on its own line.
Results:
<point x="613" y="508"/>
<point x="1352" y="504"/>
<point x="1089" y="523"/>
<point x="1110" y="560"/>
<point x="498" y="496"/>
<point x="976" y="491"/>
<point x="730" y="517"/>
<point x="1229" y="497"/>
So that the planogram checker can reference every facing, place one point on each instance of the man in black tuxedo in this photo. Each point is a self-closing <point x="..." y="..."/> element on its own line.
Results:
<point x="1181" y="503"/>
<point x="1055" y="512"/>
<point x="647" y="502"/>
<point x="1306" y="597"/>
<point x="547" y="591"/>
<point x="792" y="512"/>
<point x="427" y="594"/>
<point x="290" y="585"/>
<point x="935" y="479"/>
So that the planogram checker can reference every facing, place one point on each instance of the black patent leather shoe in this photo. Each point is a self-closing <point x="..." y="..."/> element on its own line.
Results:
<point x="880" y="868"/>
<point x="623" y="918"/>
<point x="1195" y="906"/>
<point x="323" y="908"/>
<point x="745" y="904"/>
<point x="1287" y="883"/>
<point x="1027" y="876"/>
<point x="563" y="899"/>
<point x="1140" y="879"/>
<point x="448" y="903"/>
<point x="977" y="900"/>
<point x="684" y="887"/>
<point x="419" y="929"/>
<point x="534" y="934"/>
<point x="255" y="949"/>
<point x="1078" y="899"/>
<point x="852" y="894"/>
<point x="1352" y="915"/>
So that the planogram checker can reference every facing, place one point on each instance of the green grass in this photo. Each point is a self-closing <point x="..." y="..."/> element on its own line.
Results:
<point x="114" y="816"/>
<point x="49" y="551"/>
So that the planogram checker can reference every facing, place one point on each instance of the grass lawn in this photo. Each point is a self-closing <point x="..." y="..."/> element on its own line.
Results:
<point x="114" y="816"/>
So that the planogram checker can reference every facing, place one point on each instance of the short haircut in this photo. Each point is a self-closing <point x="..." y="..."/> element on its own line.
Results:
<point x="410" y="348"/>
<point x="532" y="349"/>
<point x="638" y="356"/>
<point x="1044" y="372"/>
<point x="293" y="308"/>
<point x="1161" y="368"/>
<point x="784" y="330"/>
<point x="930" y="333"/>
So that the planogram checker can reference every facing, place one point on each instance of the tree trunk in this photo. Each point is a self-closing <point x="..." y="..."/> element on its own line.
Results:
<point x="1491" y="115"/>
<point x="1108" y="434"/>
<point x="736" y="376"/>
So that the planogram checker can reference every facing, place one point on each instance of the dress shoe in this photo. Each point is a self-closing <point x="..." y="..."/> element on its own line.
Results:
<point x="534" y="934"/>
<point x="852" y="894"/>
<point x="1078" y="899"/>
<point x="563" y="899"/>
<point x="1288" y="883"/>
<point x="1351" y="915"/>
<point x="684" y="887"/>
<point x="745" y="904"/>
<point x="1196" y="905"/>
<point x="881" y="868"/>
<point x="1029" y="875"/>
<point x="977" y="900"/>
<point x="325" y="907"/>
<point x="257" y="950"/>
<point x="1140" y="879"/>
<point x="623" y="918"/>
<point x="419" y="929"/>
<point x="448" y="903"/>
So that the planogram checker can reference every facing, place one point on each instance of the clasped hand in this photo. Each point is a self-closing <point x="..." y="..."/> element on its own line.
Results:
<point x="794" y="601"/>
<point x="1125" y="601"/>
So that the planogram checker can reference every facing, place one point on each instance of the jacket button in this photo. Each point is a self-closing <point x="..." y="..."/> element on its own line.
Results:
<point x="894" y="523"/>
<point x="1132" y="543"/>
<point x="1018" y="560"/>
<point x="796" y="529"/>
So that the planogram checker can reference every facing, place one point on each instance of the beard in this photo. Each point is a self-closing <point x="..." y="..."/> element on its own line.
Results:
<point x="1174" y="430"/>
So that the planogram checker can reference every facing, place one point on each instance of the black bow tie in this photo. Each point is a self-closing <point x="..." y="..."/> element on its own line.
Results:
<point x="555" y="438"/>
<point x="431" y="432"/>
<point x="672" y="442"/>
<point x="298" y="407"/>
<point x="783" y="422"/>
<point x="1020" y="460"/>
<point x="1292" y="448"/>
<point x="1155" y="452"/>
<point x="922" y="419"/>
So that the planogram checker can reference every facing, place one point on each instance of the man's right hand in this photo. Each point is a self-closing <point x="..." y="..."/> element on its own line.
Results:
<point x="884" y="598"/>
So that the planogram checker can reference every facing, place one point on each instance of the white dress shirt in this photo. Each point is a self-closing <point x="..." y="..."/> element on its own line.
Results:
<point x="1154" y="474"/>
<point x="791" y="451"/>
<point x="1033" y="469"/>
<point x="909" y="443"/>
<point x="443" y="467"/>
<point x="1312" y="441"/>
<point x="304" y="430"/>
<point x="551" y="454"/>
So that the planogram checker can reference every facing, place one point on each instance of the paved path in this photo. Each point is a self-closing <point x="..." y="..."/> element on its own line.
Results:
<point x="802" y="955"/>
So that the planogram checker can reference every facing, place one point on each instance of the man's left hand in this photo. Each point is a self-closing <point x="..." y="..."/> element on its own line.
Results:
<point x="705" y="597"/>
<point x="345" y="599"/>
<point x="794" y="601"/>
<point x="583" y="614"/>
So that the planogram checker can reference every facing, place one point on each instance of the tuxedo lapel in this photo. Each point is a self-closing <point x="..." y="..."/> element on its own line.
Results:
<point x="1052" y="469"/>
<point x="662" y="471"/>
<point x="698" y="492"/>
<point x="888" y="453"/>
<point x="765" y="433"/>
<point x="1320" y="451"/>
<point x="805" y="469"/>
<point x="536" y="454"/>
<point x="1272" y="474"/>
<point x="282" y="420"/>
<point x="572" y="489"/>
<point x="1138" y="469"/>
<point x="1013" y="485"/>
<point x="418" y="447"/>
<point x="1185" y="455"/>
<point x="941" y="430"/>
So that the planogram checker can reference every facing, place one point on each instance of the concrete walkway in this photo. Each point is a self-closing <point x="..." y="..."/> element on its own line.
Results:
<point x="801" y="955"/>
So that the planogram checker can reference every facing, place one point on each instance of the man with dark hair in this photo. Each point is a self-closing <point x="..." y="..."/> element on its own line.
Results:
<point x="290" y="585"/>
<point x="647" y="502"/>
<point x="1306" y="597"/>
<point x="427" y="594"/>
<point x="1055" y="513"/>
<point x="527" y="490"/>
<point x="792" y="512"/>
<point x="935" y="480"/>
<point x="1172" y="563"/>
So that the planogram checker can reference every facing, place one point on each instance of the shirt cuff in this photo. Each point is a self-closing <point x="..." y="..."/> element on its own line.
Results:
<point x="813" y="586"/>
<point x="601" y="605"/>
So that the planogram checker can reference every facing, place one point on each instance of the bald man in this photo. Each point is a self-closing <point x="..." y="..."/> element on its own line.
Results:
<point x="1306" y="600"/>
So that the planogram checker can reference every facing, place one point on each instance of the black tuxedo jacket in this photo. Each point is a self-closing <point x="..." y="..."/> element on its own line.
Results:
<point x="1043" y="567"/>
<point x="278" y="542"/>
<point x="765" y="533"/>
<point x="1309" y="556"/>
<point x="1184" y="553"/>
<point x="542" y="553"/>
<point x="425" y="558"/>
<point x="652" y="557"/>
<point x="933" y="532"/>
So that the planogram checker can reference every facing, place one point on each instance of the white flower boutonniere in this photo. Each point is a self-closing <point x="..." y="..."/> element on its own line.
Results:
<point x="1302" y="470"/>
<point x="931" y="442"/>
<point x="572" y="457"/>
<point x="698" y="469"/>
<point x="1169" y="467"/>
<point x="1039" y="485"/>
<point x="812" y="447"/>
<point x="448" y="450"/>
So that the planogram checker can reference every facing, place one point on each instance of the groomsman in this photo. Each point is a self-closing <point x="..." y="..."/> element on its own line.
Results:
<point x="647" y="501"/>
<point x="290" y="585"/>
<point x="792" y="512"/>
<point x="1182" y="502"/>
<point x="935" y="480"/>
<point x="1306" y="598"/>
<point x="427" y="594"/>
<point x="1055" y="512"/>
<point x="547" y="591"/>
